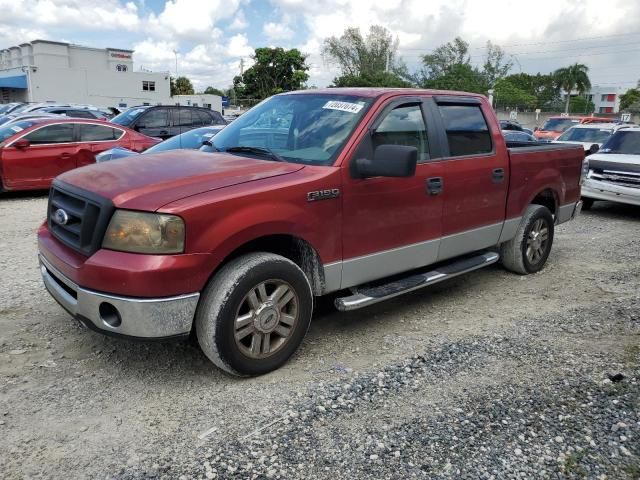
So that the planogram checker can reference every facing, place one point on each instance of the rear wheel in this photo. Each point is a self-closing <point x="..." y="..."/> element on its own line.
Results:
<point x="528" y="251"/>
<point x="254" y="314"/>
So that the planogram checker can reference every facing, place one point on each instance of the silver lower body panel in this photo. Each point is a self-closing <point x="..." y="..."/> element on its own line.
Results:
<point x="146" y="318"/>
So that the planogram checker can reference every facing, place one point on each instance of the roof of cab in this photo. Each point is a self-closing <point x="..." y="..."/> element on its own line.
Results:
<point x="376" y="92"/>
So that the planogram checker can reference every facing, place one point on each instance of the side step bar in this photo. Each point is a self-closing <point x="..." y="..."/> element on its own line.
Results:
<point x="363" y="297"/>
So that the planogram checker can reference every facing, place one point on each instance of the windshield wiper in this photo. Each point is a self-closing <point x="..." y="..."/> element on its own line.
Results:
<point x="258" y="151"/>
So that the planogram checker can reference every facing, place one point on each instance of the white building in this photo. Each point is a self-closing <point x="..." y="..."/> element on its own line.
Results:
<point x="44" y="71"/>
<point x="606" y="99"/>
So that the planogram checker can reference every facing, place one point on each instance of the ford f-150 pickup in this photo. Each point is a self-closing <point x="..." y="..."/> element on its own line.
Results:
<point x="369" y="193"/>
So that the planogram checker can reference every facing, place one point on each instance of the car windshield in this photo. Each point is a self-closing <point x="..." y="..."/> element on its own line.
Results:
<point x="623" y="142"/>
<point x="11" y="130"/>
<point x="306" y="128"/>
<point x="192" y="139"/>
<point x="594" y="135"/>
<point x="4" y="108"/>
<point x="559" y="124"/>
<point x="126" y="117"/>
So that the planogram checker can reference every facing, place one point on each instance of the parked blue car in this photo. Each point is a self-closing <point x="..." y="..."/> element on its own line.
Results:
<point x="191" y="140"/>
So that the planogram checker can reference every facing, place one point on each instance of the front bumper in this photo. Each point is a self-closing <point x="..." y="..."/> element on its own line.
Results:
<point x="143" y="318"/>
<point x="599" y="190"/>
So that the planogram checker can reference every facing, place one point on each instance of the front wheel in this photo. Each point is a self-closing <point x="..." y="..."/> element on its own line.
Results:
<point x="254" y="314"/>
<point x="587" y="203"/>
<point x="528" y="250"/>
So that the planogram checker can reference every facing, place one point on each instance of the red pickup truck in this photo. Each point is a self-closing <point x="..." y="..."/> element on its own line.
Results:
<point x="367" y="192"/>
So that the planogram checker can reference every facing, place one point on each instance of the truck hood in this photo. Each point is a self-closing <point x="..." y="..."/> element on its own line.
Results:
<point x="147" y="182"/>
<point x="586" y="145"/>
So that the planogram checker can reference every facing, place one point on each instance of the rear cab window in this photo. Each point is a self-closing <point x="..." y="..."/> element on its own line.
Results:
<point x="466" y="129"/>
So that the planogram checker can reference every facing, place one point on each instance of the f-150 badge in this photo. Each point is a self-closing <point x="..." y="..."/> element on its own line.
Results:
<point x="323" y="194"/>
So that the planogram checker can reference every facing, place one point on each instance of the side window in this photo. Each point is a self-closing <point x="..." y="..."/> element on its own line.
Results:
<point x="404" y="125"/>
<point x="218" y="119"/>
<point x="467" y="130"/>
<point x="203" y="117"/>
<point x="98" y="133"/>
<point x="62" y="133"/>
<point x="80" y="114"/>
<point x="155" y="118"/>
<point x="182" y="118"/>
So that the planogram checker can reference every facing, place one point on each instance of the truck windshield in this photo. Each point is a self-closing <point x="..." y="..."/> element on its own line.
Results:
<point x="558" y="124"/>
<point x="627" y="143"/>
<point x="298" y="128"/>
<point x="595" y="135"/>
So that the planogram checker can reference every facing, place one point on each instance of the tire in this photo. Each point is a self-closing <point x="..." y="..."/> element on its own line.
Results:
<point x="514" y="253"/>
<point x="587" y="203"/>
<point x="248" y="334"/>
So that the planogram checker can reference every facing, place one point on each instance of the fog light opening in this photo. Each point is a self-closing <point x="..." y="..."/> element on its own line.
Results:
<point x="109" y="315"/>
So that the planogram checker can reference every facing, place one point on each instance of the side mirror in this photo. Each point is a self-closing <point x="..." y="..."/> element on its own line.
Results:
<point x="22" y="144"/>
<point x="594" y="149"/>
<point x="389" y="161"/>
<point x="536" y="129"/>
<point x="138" y="127"/>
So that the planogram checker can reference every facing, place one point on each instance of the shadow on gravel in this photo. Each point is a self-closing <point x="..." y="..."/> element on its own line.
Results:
<point x="613" y="211"/>
<point x="29" y="194"/>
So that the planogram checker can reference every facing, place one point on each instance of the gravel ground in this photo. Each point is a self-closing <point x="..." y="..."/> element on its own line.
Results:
<point x="490" y="375"/>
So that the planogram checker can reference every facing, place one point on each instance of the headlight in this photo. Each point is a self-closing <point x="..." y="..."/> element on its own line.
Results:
<point x="142" y="232"/>
<point x="585" y="170"/>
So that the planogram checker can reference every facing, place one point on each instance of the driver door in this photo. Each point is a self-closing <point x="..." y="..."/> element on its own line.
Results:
<point x="52" y="151"/>
<point x="392" y="225"/>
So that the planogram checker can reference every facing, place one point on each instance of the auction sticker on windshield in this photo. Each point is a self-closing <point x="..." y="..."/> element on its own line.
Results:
<point x="343" y="106"/>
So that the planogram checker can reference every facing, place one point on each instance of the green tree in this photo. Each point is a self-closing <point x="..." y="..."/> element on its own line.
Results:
<point x="496" y="65"/>
<point x="573" y="77"/>
<point x="444" y="58"/>
<point x="213" y="91"/>
<point x="507" y="94"/>
<point x="181" y="86"/>
<point x="630" y="100"/>
<point x="543" y="87"/>
<point x="275" y="70"/>
<point x="369" y="61"/>
<point x="376" y="79"/>
<point x="462" y="77"/>
<point x="581" y="105"/>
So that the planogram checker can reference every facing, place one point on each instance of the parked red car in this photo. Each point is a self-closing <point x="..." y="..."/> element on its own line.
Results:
<point x="34" y="151"/>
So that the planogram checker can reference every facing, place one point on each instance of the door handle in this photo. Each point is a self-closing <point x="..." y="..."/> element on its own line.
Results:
<point x="434" y="185"/>
<point x="497" y="175"/>
<point x="65" y="156"/>
<point x="163" y="132"/>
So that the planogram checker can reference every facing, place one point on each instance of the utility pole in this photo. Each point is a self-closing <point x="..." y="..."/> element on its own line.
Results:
<point x="241" y="66"/>
<point x="175" y="52"/>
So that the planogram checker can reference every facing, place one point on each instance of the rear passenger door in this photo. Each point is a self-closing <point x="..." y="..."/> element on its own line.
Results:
<point x="475" y="179"/>
<point x="183" y="120"/>
<point x="391" y="225"/>
<point x="96" y="138"/>
<point x="154" y="123"/>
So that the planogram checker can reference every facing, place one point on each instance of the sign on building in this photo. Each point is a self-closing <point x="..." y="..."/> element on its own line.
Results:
<point x="625" y="117"/>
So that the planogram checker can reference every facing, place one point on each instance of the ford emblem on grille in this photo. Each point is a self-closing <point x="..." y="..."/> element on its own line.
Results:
<point x="60" y="217"/>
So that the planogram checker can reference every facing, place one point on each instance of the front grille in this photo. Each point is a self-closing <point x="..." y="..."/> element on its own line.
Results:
<point x="625" y="179"/>
<point x="87" y="216"/>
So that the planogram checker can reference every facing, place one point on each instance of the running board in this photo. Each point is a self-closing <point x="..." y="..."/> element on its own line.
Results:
<point x="363" y="297"/>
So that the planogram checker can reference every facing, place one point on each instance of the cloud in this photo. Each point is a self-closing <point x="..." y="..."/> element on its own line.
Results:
<point x="191" y="20"/>
<point x="277" y="31"/>
<point x="239" y="22"/>
<point x="71" y="14"/>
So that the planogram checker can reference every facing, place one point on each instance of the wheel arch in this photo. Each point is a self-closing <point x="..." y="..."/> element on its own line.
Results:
<point x="547" y="197"/>
<point x="293" y="247"/>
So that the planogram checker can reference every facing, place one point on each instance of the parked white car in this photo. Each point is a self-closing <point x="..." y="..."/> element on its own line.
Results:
<point x="614" y="172"/>
<point x="587" y="135"/>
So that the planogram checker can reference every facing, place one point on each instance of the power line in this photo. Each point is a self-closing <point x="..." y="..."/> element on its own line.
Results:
<point x="537" y="43"/>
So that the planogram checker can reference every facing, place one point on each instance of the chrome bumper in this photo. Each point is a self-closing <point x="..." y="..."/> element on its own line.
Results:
<point x="599" y="190"/>
<point x="145" y="318"/>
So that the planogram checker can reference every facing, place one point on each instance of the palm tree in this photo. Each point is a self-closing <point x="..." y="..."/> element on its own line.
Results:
<point x="573" y="77"/>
